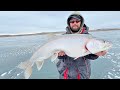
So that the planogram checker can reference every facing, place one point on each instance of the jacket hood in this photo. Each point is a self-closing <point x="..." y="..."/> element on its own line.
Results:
<point x="78" y="16"/>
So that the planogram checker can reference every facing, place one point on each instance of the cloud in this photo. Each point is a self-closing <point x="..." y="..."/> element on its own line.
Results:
<point x="41" y="21"/>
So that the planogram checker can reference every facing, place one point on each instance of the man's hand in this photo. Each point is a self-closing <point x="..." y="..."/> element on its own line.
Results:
<point x="61" y="53"/>
<point x="102" y="53"/>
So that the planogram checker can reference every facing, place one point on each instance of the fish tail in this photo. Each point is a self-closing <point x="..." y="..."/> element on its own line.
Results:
<point x="27" y="67"/>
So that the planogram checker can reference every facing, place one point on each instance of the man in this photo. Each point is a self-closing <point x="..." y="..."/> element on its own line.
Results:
<point x="80" y="68"/>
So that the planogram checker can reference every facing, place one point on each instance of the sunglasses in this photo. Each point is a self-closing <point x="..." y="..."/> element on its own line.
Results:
<point x="72" y="21"/>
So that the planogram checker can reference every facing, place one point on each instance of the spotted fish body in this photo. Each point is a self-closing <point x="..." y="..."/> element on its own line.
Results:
<point x="74" y="45"/>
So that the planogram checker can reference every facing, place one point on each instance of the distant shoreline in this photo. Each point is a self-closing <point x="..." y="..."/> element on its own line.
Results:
<point x="97" y="30"/>
<point x="43" y="33"/>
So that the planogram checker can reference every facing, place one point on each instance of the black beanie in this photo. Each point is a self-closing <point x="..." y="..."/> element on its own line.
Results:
<point x="76" y="16"/>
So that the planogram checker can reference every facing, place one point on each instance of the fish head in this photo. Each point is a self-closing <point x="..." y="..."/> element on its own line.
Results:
<point x="97" y="45"/>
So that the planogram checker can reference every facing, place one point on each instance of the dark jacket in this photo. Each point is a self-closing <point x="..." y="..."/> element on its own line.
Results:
<point x="69" y="68"/>
<point x="75" y="69"/>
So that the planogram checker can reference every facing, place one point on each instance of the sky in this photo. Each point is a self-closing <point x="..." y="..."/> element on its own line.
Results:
<point x="19" y="22"/>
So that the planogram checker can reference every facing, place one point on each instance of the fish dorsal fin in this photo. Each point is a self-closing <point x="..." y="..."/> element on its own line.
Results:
<point x="51" y="35"/>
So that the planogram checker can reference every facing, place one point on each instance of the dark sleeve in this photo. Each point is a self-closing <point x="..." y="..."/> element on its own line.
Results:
<point x="62" y="57"/>
<point x="91" y="56"/>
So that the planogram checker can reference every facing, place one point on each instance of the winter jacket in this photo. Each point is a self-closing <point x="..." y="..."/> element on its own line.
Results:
<point x="75" y="69"/>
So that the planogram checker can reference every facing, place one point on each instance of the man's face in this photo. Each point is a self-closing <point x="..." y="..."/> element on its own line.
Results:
<point x="75" y="24"/>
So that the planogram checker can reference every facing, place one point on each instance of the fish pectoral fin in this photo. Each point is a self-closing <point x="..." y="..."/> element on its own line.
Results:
<point x="39" y="64"/>
<point x="54" y="57"/>
<point x="51" y="35"/>
<point x="28" y="72"/>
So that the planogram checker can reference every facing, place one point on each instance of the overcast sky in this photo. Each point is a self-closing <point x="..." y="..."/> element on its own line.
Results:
<point x="12" y="22"/>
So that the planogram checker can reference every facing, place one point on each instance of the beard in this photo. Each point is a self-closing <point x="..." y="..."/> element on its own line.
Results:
<point x="74" y="30"/>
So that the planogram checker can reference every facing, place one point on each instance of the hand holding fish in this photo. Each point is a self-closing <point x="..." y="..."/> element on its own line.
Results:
<point x="61" y="53"/>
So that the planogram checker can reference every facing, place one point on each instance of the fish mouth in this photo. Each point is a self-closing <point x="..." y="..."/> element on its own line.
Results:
<point x="108" y="45"/>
